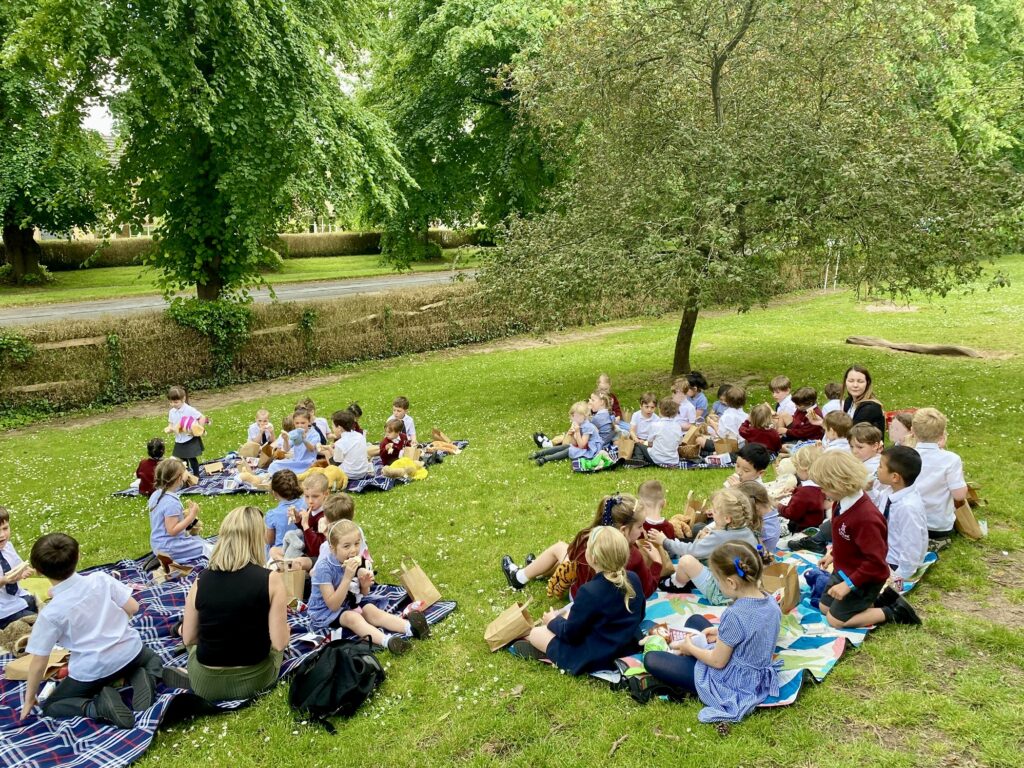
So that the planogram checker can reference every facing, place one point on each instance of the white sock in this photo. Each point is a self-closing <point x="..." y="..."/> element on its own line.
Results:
<point x="675" y="580"/>
<point x="408" y="628"/>
<point x="546" y="444"/>
<point x="521" y="576"/>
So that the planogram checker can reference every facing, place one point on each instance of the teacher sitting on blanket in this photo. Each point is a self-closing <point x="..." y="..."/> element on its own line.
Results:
<point x="235" y="624"/>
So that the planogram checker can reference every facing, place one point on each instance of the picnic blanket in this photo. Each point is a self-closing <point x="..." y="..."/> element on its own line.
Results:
<point x="82" y="743"/>
<point x="225" y="479"/>
<point x="807" y="646"/>
<point x="716" y="461"/>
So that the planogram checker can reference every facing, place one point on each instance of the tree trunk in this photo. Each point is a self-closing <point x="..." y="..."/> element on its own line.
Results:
<point x="684" y="338"/>
<point x="210" y="288"/>
<point x="22" y="250"/>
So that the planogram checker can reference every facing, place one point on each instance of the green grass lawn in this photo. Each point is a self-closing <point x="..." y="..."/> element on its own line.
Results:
<point x="947" y="694"/>
<point x="120" y="282"/>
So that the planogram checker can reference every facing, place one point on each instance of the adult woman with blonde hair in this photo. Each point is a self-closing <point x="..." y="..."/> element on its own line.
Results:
<point x="235" y="624"/>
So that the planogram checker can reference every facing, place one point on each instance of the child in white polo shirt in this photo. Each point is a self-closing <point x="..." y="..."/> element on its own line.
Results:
<point x="16" y="603"/>
<point x="941" y="483"/>
<point x="903" y="509"/>
<point x="89" y="616"/>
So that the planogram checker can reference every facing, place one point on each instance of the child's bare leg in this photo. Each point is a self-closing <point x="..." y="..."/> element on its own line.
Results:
<point x="547" y="561"/>
<point x="276" y="553"/>
<point x="666" y="561"/>
<point x="354" y="622"/>
<point x="540" y="638"/>
<point x="378" y="618"/>
<point x="688" y="569"/>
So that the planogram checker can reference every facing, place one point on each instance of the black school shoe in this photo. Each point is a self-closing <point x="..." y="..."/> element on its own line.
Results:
<point x="806" y="543"/>
<point x="509" y="569"/>
<point x="109" y="708"/>
<point x="524" y="650"/>
<point x="143" y="689"/>
<point x="643" y="688"/>
<point x="667" y="585"/>
<point x="418" y="624"/>
<point x="529" y="559"/>
<point x="901" y="612"/>
<point x="886" y="598"/>
<point x="539" y="438"/>
<point x="398" y="645"/>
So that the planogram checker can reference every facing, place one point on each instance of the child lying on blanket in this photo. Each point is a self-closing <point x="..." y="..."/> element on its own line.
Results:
<point x="333" y="604"/>
<point x="89" y="616"/>
<point x="735" y="520"/>
<point x="857" y="556"/>
<point x="730" y="670"/>
<point x="567" y="565"/>
<point x="603" y="622"/>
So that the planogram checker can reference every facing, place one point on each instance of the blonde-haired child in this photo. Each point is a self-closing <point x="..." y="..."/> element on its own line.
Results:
<point x="730" y="669"/>
<point x="806" y="507"/>
<point x="332" y="604"/>
<point x="604" y="620"/>
<point x="261" y="431"/>
<point x="302" y="545"/>
<point x="584" y="442"/>
<point x="941" y="483"/>
<point x="859" y="548"/>
<point x="734" y="521"/>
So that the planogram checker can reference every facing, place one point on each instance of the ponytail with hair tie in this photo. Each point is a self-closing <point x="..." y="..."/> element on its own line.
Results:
<point x="609" y="505"/>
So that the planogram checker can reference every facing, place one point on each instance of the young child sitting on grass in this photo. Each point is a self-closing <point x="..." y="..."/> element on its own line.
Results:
<point x="866" y="445"/>
<point x="317" y="423"/>
<point x="604" y="620"/>
<point x="349" y="451"/>
<point x="261" y="431"/>
<point x="584" y="442"/>
<point x="304" y="440"/>
<point x="859" y="548"/>
<point x="601" y="417"/>
<point x="332" y="604"/>
<point x="735" y="520"/>
<point x="784" y="405"/>
<point x="837" y="429"/>
<point x="641" y="425"/>
<point x="302" y="545"/>
<point x="905" y="513"/>
<point x="623" y="512"/>
<point x="729" y="423"/>
<point x="604" y="387"/>
<point x="400" y="410"/>
<point x="800" y="426"/>
<point x="719" y="407"/>
<point x="941" y="482"/>
<point x="280" y="519"/>
<point x="395" y="440"/>
<point x="751" y="462"/>
<point x="731" y="668"/>
<point x="16" y="602"/>
<point x="172" y="526"/>
<point x="686" y="413"/>
<point x="651" y="495"/>
<point x="695" y="394"/>
<point x="833" y="393"/>
<point x="89" y="615"/>
<point x="146" y="471"/>
<point x="759" y="428"/>
<point x="771" y="524"/>
<point x="806" y="507"/>
<point x="666" y="435"/>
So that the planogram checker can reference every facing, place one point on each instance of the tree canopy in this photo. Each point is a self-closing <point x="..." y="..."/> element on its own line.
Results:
<point x="716" y="142"/>
<point x="50" y="168"/>
<point x="442" y="76"/>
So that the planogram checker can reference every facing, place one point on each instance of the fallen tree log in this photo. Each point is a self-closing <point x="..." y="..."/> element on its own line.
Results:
<point x="920" y="349"/>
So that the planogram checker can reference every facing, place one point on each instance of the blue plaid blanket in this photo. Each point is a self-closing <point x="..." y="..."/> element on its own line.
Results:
<point x="709" y="462"/>
<point x="225" y="479"/>
<point x="82" y="743"/>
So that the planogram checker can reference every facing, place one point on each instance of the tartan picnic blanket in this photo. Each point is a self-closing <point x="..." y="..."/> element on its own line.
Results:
<point x="707" y="462"/>
<point x="225" y="479"/>
<point x="83" y="743"/>
<point x="807" y="646"/>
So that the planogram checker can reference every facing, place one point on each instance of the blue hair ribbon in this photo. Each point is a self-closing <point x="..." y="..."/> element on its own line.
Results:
<point x="739" y="568"/>
<point x="610" y="502"/>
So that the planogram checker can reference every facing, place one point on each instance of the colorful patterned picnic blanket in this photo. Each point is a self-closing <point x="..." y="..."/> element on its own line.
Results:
<point x="708" y="462"/>
<point x="225" y="479"/>
<point x="82" y="743"/>
<point x="807" y="645"/>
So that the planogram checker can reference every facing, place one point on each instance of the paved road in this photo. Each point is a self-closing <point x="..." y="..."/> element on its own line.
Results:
<point x="88" y="310"/>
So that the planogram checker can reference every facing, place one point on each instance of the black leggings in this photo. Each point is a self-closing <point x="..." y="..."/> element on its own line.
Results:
<point x="554" y="453"/>
<point x="640" y="453"/>
<point x="675" y="670"/>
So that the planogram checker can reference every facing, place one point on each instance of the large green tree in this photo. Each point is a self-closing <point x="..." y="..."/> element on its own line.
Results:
<point x="718" y="143"/>
<point x="442" y="76"/>
<point x="50" y="168"/>
<point x="232" y="116"/>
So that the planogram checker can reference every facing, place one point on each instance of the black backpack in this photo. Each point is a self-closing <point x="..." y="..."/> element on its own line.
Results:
<point x="336" y="680"/>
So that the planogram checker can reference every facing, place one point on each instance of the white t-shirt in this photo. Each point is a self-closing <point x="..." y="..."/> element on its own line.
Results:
<point x="687" y="415"/>
<point x="908" y="531"/>
<point x="86" y="616"/>
<point x="350" y="455"/>
<point x="666" y="436"/>
<point x="831" y="405"/>
<point x="174" y="417"/>
<point x="642" y="426"/>
<point x="942" y="472"/>
<point x="729" y="424"/>
<point x="410" y="425"/>
<point x="786" y="405"/>
<point x="11" y="604"/>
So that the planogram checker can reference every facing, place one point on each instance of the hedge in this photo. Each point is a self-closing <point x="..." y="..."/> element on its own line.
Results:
<point x="61" y="255"/>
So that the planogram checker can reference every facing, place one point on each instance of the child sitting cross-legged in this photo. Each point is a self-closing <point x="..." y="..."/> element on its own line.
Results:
<point x="858" y="551"/>
<point x="332" y="604"/>
<point x="623" y="512"/>
<point x="171" y="523"/>
<point x="641" y="425"/>
<point x="905" y="513"/>
<point x="735" y="520"/>
<point x="662" y="448"/>
<point x="90" y="616"/>
<point x="603" y="621"/>
<point x="729" y="667"/>
<point x="806" y="507"/>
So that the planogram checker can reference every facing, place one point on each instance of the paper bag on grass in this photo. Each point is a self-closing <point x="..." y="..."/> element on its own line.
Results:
<point x="966" y="523"/>
<point x="625" y="445"/>
<point x="726" y="445"/>
<point x="18" y="669"/>
<point x="781" y="580"/>
<point x="511" y="624"/>
<point x="418" y="584"/>
<point x="295" y="584"/>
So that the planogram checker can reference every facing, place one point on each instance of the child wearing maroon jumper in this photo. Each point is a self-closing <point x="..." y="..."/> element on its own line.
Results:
<point x="758" y="428"/>
<point x="801" y="428"/>
<point x="394" y="441"/>
<point x="858" y="551"/>
<point x="806" y="507"/>
<point x="651" y="495"/>
<point x="146" y="471"/>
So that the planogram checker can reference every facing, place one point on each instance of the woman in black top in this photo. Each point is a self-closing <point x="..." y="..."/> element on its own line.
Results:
<point x="235" y="624"/>
<point x="859" y="399"/>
